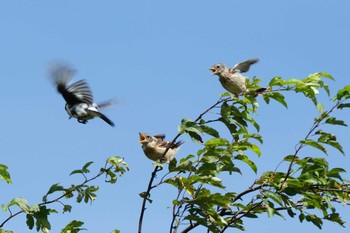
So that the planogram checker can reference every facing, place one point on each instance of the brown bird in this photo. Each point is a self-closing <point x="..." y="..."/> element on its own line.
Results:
<point x="232" y="79"/>
<point x="155" y="146"/>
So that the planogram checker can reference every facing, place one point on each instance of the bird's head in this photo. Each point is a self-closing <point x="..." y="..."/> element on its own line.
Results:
<point x="217" y="69"/>
<point x="145" y="138"/>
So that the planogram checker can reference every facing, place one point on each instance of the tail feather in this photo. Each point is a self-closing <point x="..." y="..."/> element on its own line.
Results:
<point x="108" y="121"/>
<point x="103" y="117"/>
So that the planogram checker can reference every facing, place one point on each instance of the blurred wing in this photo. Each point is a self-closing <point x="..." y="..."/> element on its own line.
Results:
<point x="106" y="104"/>
<point x="243" y="66"/>
<point x="81" y="92"/>
<point x="61" y="73"/>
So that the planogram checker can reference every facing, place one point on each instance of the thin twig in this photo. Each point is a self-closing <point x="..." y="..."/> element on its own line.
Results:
<point x="313" y="128"/>
<point x="58" y="198"/>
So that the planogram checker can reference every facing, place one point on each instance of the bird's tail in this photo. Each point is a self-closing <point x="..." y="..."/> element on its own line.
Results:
<point x="103" y="117"/>
<point x="177" y="144"/>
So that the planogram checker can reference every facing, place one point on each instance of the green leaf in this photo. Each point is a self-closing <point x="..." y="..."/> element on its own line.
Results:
<point x="276" y="81"/>
<point x="211" y="131"/>
<point x="274" y="196"/>
<point x="315" y="220"/>
<point x="83" y="170"/>
<point x="334" y="121"/>
<point x="215" y="142"/>
<point x="53" y="188"/>
<point x="246" y="160"/>
<point x="120" y="166"/>
<point x="20" y="202"/>
<point x="67" y="208"/>
<point x="335" y="145"/>
<point x="276" y="96"/>
<point x="73" y="227"/>
<point x="195" y="137"/>
<point x="314" y="144"/>
<point x="4" y="174"/>
<point x="346" y="105"/>
<point x="343" y="93"/>
<point x="188" y="125"/>
<point x="148" y="197"/>
<point x="30" y="221"/>
<point x="326" y="75"/>
<point x="335" y="173"/>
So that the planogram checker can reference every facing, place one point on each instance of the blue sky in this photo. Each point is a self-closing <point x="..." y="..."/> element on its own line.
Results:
<point x="153" y="58"/>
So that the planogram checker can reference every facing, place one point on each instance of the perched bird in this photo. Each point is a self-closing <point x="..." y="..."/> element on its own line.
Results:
<point x="78" y="96"/>
<point x="232" y="79"/>
<point x="155" y="146"/>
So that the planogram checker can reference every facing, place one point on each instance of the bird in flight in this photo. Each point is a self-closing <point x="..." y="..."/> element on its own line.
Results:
<point x="78" y="96"/>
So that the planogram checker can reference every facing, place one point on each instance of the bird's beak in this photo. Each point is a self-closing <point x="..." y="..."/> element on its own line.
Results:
<point x="213" y="70"/>
<point x="142" y="137"/>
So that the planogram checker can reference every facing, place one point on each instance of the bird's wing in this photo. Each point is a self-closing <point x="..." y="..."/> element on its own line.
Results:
<point x="166" y="144"/>
<point x="106" y="104"/>
<point x="61" y="72"/>
<point x="81" y="92"/>
<point x="159" y="136"/>
<point x="243" y="66"/>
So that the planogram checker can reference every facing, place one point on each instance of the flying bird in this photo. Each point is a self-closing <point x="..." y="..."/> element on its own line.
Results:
<point x="78" y="96"/>
<point x="154" y="147"/>
<point x="232" y="79"/>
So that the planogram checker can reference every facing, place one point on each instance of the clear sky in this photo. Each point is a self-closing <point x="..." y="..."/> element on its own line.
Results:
<point x="153" y="58"/>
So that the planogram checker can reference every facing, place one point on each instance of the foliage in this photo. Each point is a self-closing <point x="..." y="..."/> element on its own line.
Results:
<point x="307" y="187"/>
<point x="37" y="214"/>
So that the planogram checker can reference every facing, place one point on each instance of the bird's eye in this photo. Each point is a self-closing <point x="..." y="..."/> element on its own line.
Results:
<point x="217" y="67"/>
